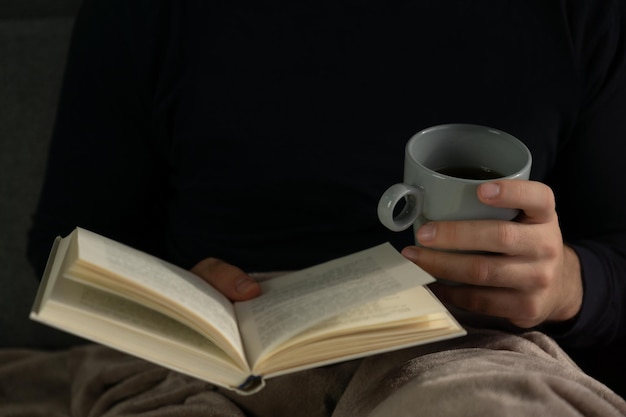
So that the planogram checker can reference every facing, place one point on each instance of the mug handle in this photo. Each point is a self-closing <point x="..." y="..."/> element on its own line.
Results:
<point x="414" y="201"/>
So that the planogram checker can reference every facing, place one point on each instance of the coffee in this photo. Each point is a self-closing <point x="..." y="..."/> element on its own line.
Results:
<point x="470" y="172"/>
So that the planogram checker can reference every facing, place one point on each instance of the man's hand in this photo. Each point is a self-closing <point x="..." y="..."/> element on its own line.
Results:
<point x="530" y="278"/>
<point x="228" y="279"/>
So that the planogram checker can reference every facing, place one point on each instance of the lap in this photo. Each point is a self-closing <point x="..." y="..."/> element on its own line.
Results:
<point x="482" y="374"/>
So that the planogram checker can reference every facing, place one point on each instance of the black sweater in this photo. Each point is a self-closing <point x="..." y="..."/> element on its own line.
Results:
<point x="263" y="132"/>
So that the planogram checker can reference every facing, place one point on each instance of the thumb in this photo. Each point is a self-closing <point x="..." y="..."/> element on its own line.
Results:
<point x="228" y="279"/>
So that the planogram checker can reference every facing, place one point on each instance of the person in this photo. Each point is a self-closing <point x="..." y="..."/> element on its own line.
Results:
<point x="215" y="135"/>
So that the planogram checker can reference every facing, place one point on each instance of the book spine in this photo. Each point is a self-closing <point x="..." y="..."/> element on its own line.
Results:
<point x="251" y="385"/>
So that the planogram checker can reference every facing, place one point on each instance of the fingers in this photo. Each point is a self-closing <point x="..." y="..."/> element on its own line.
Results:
<point x="488" y="236"/>
<point x="524" y="312"/>
<point x="527" y="236"/>
<point x="230" y="280"/>
<point x="483" y="270"/>
<point x="535" y="199"/>
<point x="493" y="236"/>
<point x="509" y="287"/>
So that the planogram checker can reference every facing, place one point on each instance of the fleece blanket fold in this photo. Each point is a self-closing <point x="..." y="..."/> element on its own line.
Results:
<point x="487" y="373"/>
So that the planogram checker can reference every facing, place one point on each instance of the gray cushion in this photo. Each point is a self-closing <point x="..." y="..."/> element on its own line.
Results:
<point x="34" y="36"/>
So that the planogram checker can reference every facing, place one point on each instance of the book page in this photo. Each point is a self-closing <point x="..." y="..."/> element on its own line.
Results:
<point x="159" y="285"/>
<point x="124" y="325"/>
<point x="408" y="304"/>
<point x="51" y="272"/>
<point x="291" y="303"/>
<point x="409" y="318"/>
<point x="134" y="316"/>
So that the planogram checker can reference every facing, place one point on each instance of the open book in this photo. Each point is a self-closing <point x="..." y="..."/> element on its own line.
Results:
<point x="365" y="303"/>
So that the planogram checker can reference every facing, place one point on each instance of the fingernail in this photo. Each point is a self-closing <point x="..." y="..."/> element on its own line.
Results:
<point x="244" y="284"/>
<point x="411" y="253"/>
<point x="489" y="190"/>
<point x="426" y="232"/>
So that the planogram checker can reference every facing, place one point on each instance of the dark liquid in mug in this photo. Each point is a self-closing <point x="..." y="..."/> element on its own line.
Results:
<point x="470" y="172"/>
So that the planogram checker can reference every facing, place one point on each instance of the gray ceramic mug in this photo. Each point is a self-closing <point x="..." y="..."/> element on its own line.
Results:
<point x="443" y="167"/>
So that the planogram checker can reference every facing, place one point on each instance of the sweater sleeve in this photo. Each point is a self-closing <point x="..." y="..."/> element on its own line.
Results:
<point x="589" y="180"/>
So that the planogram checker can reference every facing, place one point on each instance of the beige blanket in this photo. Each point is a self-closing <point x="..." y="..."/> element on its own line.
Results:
<point x="484" y="374"/>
